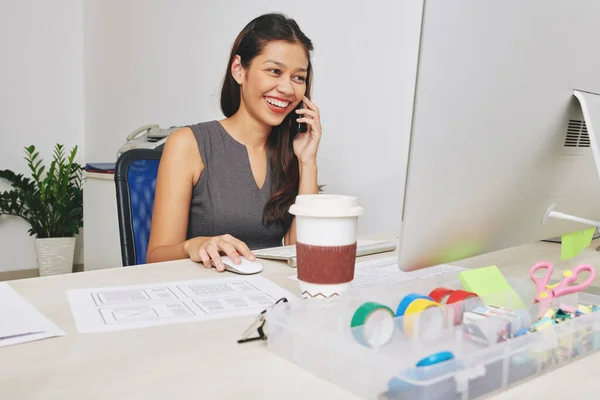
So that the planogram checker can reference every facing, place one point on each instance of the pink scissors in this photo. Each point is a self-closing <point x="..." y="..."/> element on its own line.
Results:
<point x="545" y="293"/>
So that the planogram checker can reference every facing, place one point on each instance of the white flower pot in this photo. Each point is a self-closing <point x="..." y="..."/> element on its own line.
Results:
<point x="55" y="255"/>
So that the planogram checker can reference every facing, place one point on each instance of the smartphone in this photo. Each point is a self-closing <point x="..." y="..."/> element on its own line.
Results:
<point x="298" y="127"/>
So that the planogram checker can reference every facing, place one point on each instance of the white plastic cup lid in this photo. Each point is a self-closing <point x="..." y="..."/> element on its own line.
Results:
<point x="326" y="206"/>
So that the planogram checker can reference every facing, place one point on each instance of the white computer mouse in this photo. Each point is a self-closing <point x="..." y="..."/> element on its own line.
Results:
<point x="246" y="267"/>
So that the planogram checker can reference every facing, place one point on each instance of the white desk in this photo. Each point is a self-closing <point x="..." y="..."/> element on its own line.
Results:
<point x="203" y="360"/>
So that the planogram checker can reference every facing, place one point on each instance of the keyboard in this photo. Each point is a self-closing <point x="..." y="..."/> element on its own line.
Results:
<point x="288" y="253"/>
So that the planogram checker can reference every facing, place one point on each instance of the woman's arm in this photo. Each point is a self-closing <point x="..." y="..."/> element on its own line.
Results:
<point x="180" y="166"/>
<point x="305" y="148"/>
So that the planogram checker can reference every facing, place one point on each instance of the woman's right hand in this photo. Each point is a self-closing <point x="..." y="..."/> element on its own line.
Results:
<point x="208" y="249"/>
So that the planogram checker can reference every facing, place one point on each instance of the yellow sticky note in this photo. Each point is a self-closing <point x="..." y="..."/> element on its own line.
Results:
<point x="573" y="243"/>
<point x="489" y="284"/>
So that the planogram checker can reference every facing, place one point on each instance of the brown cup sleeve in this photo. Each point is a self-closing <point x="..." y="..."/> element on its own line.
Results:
<point x="325" y="264"/>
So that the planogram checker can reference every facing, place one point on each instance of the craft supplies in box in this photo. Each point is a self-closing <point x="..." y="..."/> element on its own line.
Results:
<point x="373" y="342"/>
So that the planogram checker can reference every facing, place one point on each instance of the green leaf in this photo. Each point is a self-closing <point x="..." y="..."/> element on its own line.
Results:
<point x="52" y="204"/>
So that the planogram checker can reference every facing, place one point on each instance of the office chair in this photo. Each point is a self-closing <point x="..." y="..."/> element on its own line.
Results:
<point x="135" y="181"/>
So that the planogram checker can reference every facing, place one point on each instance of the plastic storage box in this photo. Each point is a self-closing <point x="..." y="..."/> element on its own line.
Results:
<point x="316" y="335"/>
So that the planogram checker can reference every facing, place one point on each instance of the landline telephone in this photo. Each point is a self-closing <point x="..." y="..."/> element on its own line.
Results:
<point x="146" y="137"/>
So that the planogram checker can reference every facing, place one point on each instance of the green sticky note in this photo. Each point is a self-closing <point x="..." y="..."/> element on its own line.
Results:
<point x="573" y="243"/>
<point x="586" y="238"/>
<point x="489" y="284"/>
<point x="570" y="245"/>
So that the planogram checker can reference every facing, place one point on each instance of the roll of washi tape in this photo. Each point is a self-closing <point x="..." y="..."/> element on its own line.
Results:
<point x="373" y="324"/>
<point x="440" y="294"/>
<point x="407" y="300"/>
<point x="435" y="358"/>
<point x="414" y="312"/>
<point x="459" y="295"/>
<point x="458" y="309"/>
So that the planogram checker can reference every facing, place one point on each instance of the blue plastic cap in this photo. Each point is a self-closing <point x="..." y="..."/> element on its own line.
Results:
<point x="436" y="358"/>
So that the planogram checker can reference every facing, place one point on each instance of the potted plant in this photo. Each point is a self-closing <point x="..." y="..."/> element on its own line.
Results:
<point x="52" y="203"/>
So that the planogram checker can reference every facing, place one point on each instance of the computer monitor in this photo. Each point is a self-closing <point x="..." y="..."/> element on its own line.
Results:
<point x="497" y="135"/>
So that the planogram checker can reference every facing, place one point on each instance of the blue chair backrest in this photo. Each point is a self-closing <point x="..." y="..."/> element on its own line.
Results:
<point x="135" y="179"/>
<point x="142" y="185"/>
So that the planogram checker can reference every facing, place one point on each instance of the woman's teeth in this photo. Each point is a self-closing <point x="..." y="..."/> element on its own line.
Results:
<point x="277" y="103"/>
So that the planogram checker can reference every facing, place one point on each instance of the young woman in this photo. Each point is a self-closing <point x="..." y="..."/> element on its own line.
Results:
<point x="225" y="187"/>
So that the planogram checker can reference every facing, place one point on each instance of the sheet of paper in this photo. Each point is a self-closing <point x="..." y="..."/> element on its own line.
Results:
<point x="385" y="270"/>
<point x="20" y="322"/>
<point x="138" y="306"/>
<point x="489" y="284"/>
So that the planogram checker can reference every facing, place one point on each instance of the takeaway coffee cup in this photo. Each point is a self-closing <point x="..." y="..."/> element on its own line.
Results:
<point x="325" y="243"/>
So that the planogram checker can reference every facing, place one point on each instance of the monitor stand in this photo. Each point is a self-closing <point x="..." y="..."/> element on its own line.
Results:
<point x="590" y="106"/>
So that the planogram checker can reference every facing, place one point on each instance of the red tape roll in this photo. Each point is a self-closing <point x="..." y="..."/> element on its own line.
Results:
<point x="438" y="294"/>
<point x="459" y="295"/>
<point x="455" y="297"/>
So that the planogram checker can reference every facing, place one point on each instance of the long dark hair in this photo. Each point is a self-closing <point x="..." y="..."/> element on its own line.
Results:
<point x="285" y="176"/>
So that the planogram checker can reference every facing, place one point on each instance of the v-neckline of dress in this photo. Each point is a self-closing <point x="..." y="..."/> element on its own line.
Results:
<point x="247" y="158"/>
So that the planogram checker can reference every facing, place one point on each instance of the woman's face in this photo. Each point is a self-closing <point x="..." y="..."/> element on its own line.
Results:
<point x="275" y="81"/>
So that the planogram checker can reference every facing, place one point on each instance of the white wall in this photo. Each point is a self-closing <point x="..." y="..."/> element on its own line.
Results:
<point x="162" y="61"/>
<point x="41" y="98"/>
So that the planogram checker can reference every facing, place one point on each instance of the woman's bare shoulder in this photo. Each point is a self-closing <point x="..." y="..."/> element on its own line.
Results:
<point x="181" y="149"/>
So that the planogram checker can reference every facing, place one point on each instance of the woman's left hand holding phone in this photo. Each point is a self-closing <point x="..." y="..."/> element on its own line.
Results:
<point x="307" y="144"/>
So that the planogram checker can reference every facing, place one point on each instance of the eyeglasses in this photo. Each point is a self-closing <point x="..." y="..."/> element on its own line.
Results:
<point x="259" y="324"/>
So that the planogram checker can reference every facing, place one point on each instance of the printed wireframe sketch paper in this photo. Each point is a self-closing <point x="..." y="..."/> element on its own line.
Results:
<point x="130" y="307"/>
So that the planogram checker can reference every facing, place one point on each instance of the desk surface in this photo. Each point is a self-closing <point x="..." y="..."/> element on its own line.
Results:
<point x="203" y="360"/>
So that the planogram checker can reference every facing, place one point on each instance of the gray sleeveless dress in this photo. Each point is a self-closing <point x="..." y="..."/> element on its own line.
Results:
<point x="226" y="198"/>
